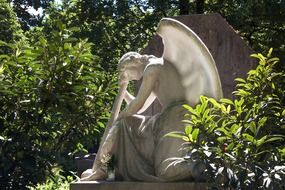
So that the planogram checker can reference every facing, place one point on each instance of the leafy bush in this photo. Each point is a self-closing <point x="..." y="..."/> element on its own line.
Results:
<point x="10" y="29"/>
<point x="54" y="102"/>
<point x="241" y="142"/>
<point x="57" y="181"/>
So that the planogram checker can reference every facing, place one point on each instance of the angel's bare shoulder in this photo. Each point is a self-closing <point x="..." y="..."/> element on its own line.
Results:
<point x="155" y="61"/>
<point x="153" y="66"/>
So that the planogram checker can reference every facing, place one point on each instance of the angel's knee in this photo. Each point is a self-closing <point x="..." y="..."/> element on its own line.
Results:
<point x="166" y="171"/>
<point x="164" y="174"/>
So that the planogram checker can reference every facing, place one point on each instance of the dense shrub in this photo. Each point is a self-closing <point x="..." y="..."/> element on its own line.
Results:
<point x="241" y="142"/>
<point x="54" y="101"/>
<point x="10" y="29"/>
<point x="57" y="181"/>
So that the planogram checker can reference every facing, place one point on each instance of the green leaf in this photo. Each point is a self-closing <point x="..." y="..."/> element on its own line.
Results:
<point x="187" y="139"/>
<point x="234" y="128"/>
<point x="261" y="58"/>
<point x="269" y="52"/>
<point x="195" y="134"/>
<point x="273" y="60"/>
<point x="74" y="29"/>
<point x="222" y="139"/>
<point x="2" y="43"/>
<point x="187" y="121"/>
<point x="203" y="99"/>
<point x="252" y="127"/>
<point x="261" y="141"/>
<point x="175" y="134"/>
<point x="214" y="102"/>
<point x="1" y="69"/>
<point x="188" y="129"/>
<point x="252" y="72"/>
<point x="81" y="68"/>
<point x="223" y="108"/>
<point x="203" y="106"/>
<point x="190" y="109"/>
<point x="275" y="138"/>
<point x="221" y="129"/>
<point x="254" y="55"/>
<point x="240" y="80"/>
<point x="4" y="57"/>
<point x="101" y="124"/>
<point x="283" y="113"/>
<point x="226" y="101"/>
<point x="262" y="121"/>
<point x="230" y="146"/>
<point x="70" y="39"/>
<point x="243" y="93"/>
<point x="2" y="138"/>
<point x="228" y="109"/>
<point x="248" y="137"/>
<point x="205" y="116"/>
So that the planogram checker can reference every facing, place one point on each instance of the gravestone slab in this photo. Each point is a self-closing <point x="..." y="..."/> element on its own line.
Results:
<point x="136" y="186"/>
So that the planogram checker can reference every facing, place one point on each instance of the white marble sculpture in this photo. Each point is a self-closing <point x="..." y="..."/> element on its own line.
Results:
<point x="139" y="143"/>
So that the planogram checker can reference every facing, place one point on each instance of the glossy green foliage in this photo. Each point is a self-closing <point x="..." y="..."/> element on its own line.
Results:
<point x="115" y="27"/>
<point x="121" y="26"/>
<point x="23" y="8"/>
<point x="241" y="141"/>
<point x="57" y="181"/>
<point x="10" y="30"/>
<point x="55" y="100"/>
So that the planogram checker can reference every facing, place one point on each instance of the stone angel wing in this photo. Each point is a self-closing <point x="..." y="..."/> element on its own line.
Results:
<point x="192" y="59"/>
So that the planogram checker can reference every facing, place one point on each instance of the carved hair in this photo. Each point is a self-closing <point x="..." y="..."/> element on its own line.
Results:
<point x="132" y="59"/>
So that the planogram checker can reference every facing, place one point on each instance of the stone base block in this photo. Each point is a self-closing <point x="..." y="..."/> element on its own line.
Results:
<point x="91" y="185"/>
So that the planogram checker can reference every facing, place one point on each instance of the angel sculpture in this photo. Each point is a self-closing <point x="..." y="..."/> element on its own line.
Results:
<point x="139" y="143"/>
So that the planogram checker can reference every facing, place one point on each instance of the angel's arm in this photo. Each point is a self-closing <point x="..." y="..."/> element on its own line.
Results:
<point x="128" y="98"/>
<point x="144" y="96"/>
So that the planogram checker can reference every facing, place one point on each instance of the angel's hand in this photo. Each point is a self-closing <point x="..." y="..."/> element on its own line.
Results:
<point x="123" y="79"/>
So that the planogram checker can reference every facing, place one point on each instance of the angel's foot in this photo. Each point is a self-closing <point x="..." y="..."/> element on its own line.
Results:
<point x="97" y="175"/>
<point x="86" y="173"/>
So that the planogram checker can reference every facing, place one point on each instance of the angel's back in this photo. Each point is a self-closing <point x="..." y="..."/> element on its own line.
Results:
<point x="168" y="88"/>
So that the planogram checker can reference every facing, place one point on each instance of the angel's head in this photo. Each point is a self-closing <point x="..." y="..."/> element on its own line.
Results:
<point x="132" y="65"/>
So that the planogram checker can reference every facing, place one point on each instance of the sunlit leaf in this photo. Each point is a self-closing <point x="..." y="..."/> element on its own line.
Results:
<point x="188" y="129"/>
<point x="195" y="134"/>
<point x="241" y="80"/>
<point x="276" y="138"/>
<point x="190" y="109"/>
<point x="176" y="134"/>
<point x="226" y="101"/>
<point x="261" y="141"/>
<point x="269" y="52"/>
<point x="252" y="127"/>
<point x="248" y="137"/>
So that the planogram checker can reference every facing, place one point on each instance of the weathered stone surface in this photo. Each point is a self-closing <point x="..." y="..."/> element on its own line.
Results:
<point x="136" y="186"/>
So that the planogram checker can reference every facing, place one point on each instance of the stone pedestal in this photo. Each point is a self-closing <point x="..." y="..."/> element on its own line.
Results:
<point x="91" y="185"/>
